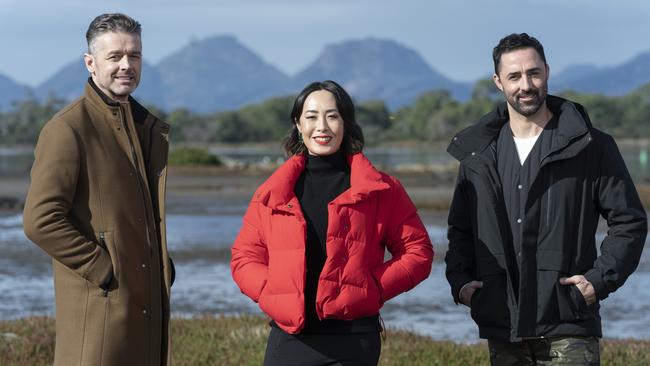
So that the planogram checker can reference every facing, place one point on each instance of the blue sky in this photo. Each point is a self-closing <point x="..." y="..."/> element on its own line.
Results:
<point x="454" y="36"/>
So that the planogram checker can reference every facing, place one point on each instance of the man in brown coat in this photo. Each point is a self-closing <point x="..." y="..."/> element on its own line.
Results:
<point x="96" y="206"/>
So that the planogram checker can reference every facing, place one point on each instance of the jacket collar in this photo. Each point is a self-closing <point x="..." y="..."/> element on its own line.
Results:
<point x="278" y="190"/>
<point x="573" y="122"/>
<point x="138" y="112"/>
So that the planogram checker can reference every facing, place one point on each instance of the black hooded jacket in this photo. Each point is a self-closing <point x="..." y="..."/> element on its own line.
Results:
<point x="582" y="177"/>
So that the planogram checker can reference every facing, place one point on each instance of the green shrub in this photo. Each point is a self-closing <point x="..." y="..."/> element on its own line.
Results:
<point x="192" y="156"/>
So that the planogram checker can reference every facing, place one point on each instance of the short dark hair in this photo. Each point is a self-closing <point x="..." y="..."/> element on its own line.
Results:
<point x="111" y="22"/>
<point x="352" y="135"/>
<point x="515" y="41"/>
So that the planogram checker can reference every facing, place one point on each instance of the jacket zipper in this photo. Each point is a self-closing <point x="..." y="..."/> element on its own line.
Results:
<point x="102" y="242"/>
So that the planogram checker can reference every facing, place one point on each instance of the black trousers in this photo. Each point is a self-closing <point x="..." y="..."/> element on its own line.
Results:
<point x="356" y="349"/>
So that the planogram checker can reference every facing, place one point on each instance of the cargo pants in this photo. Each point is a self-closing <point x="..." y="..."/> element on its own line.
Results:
<point x="546" y="351"/>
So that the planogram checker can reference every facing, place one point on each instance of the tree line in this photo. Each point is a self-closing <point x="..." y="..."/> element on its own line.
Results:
<point x="434" y="116"/>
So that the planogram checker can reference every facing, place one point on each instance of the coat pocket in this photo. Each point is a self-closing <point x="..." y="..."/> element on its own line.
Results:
<point x="557" y="302"/>
<point x="284" y="309"/>
<point x="571" y="304"/>
<point x="356" y="298"/>
<point x="106" y="240"/>
<point x="359" y="302"/>
<point x="489" y="304"/>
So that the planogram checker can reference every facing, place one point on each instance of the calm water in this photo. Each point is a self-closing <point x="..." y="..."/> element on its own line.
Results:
<point x="200" y="247"/>
<point x="17" y="161"/>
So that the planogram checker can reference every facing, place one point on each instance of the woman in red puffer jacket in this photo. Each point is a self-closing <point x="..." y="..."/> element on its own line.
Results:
<point x="311" y="247"/>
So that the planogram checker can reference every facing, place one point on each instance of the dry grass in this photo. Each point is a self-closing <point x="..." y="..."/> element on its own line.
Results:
<point x="241" y="341"/>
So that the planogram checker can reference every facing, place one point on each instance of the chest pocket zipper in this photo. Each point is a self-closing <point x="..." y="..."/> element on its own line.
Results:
<point x="549" y="200"/>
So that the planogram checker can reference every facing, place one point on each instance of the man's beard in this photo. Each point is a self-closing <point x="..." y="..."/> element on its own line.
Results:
<point x="529" y="109"/>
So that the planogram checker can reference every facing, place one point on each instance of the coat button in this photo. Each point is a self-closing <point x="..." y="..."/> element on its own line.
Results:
<point x="520" y="186"/>
<point x="518" y="221"/>
<point x="290" y="205"/>
<point x="473" y="153"/>
<point x="144" y="312"/>
<point x="144" y="265"/>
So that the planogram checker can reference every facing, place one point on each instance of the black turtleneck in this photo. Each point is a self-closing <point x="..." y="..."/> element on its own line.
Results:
<point x="324" y="179"/>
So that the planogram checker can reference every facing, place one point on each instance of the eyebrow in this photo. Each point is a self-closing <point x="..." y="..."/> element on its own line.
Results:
<point x="327" y="111"/>
<point x="119" y="52"/>
<point x="527" y="71"/>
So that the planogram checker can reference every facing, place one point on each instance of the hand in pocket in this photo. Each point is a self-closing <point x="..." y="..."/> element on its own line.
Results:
<point x="584" y="286"/>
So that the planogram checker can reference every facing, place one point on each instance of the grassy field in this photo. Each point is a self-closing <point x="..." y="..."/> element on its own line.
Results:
<point x="241" y="341"/>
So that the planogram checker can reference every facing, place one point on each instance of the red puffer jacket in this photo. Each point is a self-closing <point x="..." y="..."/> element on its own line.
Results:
<point x="268" y="257"/>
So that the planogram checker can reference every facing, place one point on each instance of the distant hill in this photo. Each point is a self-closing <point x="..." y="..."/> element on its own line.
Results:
<point x="570" y="74"/>
<point x="615" y="80"/>
<point x="378" y="69"/>
<point x="218" y="73"/>
<point x="11" y="91"/>
<point x="68" y="83"/>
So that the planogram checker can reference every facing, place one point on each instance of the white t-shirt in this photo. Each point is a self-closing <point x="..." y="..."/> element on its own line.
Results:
<point x="525" y="146"/>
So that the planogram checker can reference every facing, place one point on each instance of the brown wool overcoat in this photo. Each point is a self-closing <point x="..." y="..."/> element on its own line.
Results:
<point x="96" y="205"/>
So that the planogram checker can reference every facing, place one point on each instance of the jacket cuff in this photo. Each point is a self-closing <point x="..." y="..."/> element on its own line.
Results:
<point x="172" y="270"/>
<point x="458" y="285"/>
<point x="596" y="279"/>
<point x="389" y="278"/>
<point x="460" y="291"/>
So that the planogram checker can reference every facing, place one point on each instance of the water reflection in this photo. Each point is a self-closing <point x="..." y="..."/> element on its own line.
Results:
<point x="200" y="246"/>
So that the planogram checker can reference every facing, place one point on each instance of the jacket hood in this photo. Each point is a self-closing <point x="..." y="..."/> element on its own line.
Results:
<point x="573" y="122"/>
<point x="278" y="189"/>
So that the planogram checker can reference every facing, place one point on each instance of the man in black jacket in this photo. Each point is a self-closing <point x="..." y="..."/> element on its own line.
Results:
<point x="534" y="178"/>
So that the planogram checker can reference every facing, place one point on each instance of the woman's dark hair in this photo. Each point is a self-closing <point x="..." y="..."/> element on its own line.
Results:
<point x="352" y="135"/>
<point x="515" y="41"/>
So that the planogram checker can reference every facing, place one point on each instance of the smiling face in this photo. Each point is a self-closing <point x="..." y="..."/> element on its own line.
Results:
<point x="115" y="63"/>
<point x="523" y="78"/>
<point x="320" y="124"/>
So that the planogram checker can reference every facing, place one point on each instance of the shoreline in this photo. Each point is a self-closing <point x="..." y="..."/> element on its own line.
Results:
<point x="192" y="189"/>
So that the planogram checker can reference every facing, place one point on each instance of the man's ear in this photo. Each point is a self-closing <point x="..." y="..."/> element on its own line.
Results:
<point x="497" y="81"/>
<point x="89" y="61"/>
